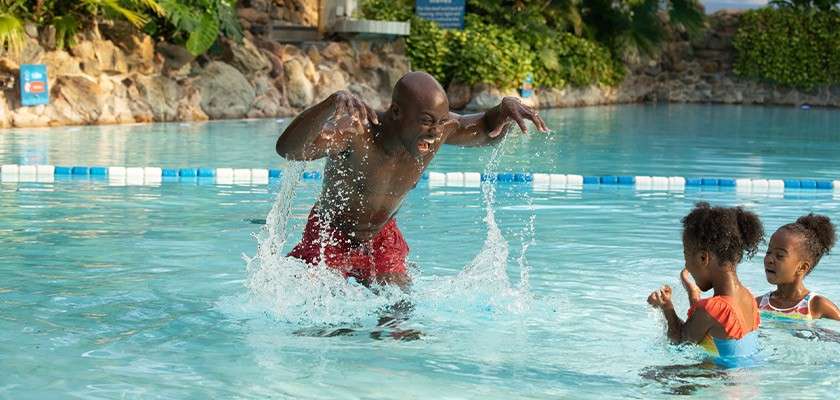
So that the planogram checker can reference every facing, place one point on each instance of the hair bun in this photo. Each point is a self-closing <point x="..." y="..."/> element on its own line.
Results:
<point x="751" y="229"/>
<point x="822" y="229"/>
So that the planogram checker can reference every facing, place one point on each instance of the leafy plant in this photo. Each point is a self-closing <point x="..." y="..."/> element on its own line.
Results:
<point x="11" y="33"/>
<point x="635" y="24"/>
<point x="488" y="53"/>
<point x="503" y="41"/>
<point x="789" y="46"/>
<point x="564" y="59"/>
<point x="807" y="5"/>
<point x="428" y="48"/>
<point x="195" y="23"/>
<point x="387" y="10"/>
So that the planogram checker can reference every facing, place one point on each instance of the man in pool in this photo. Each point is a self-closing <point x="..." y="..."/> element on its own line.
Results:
<point x="373" y="160"/>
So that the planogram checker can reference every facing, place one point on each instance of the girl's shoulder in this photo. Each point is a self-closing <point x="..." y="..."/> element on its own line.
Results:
<point x="822" y="307"/>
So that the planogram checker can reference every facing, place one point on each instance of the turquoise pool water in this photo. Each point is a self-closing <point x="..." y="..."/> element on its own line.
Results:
<point x="143" y="291"/>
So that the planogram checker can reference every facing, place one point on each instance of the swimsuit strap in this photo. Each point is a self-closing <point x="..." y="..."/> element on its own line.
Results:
<point x="764" y="300"/>
<point x="806" y="301"/>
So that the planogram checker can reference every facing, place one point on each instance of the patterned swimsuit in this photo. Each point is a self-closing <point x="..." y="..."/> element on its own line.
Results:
<point x="801" y="311"/>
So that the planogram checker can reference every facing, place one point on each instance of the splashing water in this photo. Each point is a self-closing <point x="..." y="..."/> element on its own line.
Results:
<point x="289" y="290"/>
<point x="292" y="291"/>
<point x="484" y="282"/>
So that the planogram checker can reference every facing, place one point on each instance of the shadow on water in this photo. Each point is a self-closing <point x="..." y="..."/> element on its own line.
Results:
<point x="387" y="326"/>
<point x="686" y="379"/>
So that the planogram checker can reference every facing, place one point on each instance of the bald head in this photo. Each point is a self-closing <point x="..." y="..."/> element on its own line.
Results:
<point x="418" y="89"/>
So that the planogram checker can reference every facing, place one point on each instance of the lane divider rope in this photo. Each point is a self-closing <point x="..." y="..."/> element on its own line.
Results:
<point x="121" y="176"/>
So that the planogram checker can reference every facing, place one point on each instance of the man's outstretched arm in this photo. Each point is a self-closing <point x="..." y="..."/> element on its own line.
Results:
<point x="326" y="128"/>
<point x="489" y="127"/>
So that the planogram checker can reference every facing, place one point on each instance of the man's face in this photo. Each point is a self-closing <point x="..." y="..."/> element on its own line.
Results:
<point x="425" y="122"/>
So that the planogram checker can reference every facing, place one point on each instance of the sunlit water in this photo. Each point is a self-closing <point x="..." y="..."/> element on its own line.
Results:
<point x="177" y="291"/>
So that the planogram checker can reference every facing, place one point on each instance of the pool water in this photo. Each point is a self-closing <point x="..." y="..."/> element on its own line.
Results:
<point x="171" y="291"/>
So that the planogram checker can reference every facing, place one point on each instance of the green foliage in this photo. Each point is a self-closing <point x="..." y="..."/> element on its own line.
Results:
<point x="789" y="46"/>
<point x="488" y="53"/>
<point x="11" y="33"/>
<point x="428" y="48"/>
<point x="195" y="23"/>
<point x="807" y="5"/>
<point x="635" y="24"/>
<point x="503" y="41"/>
<point x="564" y="59"/>
<point x="66" y="27"/>
<point x="388" y="10"/>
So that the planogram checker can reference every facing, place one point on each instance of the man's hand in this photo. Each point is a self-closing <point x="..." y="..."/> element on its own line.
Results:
<point x="661" y="298"/>
<point x="350" y="112"/>
<point x="512" y="109"/>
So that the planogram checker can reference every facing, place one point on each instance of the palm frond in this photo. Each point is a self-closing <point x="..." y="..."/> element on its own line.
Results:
<point x="152" y="5"/>
<point x="12" y="36"/>
<point x="204" y="35"/>
<point x="688" y="14"/>
<point x="181" y="16"/>
<point x="228" y="20"/>
<point x="66" y="27"/>
<point x="136" y="18"/>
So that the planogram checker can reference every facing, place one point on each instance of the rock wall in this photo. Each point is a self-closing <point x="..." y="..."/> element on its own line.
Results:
<point x="116" y="75"/>
<point x="254" y="15"/>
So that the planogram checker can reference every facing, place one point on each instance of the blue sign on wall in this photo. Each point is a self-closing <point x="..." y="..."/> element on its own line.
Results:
<point x="34" y="88"/>
<point x="447" y="13"/>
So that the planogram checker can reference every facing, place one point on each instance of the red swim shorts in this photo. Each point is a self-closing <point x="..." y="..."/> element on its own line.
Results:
<point x="385" y="253"/>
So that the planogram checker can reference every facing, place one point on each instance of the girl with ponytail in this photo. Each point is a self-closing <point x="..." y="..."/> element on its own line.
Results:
<point x="715" y="240"/>
<point x="794" y="251"/>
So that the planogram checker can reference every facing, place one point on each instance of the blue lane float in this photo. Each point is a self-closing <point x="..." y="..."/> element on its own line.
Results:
<point x="539" y="181"/>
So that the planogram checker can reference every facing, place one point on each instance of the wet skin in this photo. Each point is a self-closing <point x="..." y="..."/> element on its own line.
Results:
<point x="375" y="159"/>
<point x="786" y="265"/>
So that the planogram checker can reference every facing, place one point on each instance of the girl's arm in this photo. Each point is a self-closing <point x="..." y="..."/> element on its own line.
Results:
<point x="693" y="330"/>
<point x="822" y="307"/>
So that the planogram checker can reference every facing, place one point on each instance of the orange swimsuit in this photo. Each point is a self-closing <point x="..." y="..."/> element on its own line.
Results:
<point x="742" y="342"/>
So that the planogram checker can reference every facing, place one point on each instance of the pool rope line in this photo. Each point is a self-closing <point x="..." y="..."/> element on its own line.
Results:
<point x="126" y="176"/>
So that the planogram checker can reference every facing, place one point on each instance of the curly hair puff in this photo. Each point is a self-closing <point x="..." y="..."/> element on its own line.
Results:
<point x="818" y="233"/>
<point x="727" y="232"/>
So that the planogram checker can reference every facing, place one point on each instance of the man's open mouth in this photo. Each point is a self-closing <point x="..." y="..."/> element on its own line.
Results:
<point x="425" y="145"/>
<point x="769" y="271"/>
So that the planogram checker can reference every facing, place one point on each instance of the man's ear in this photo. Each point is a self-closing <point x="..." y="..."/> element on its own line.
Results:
<point x="395" y="110"/>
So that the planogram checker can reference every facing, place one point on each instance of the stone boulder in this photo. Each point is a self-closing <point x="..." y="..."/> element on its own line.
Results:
<point x="175" y="58"/>
<point x="267" y="101"/>
<point x="245" y="57"/>
<point x="332" y="80"/>
<point x="486" y="97"/>
<point x="28" y="117"/>
<point x="31" y="52"/>
<point x="459" y="95"/>
<point x="60" y="63"/>
<point x="225" y="93"/>
<point x="5" y="112"/>
<point x="160" y="94"/>
<point x="77" y="100"/>
<point x="299" y="89"/>
<point x="100" y="56"/>
<point x="116" y="110"/>
<point x="189" y="106"/>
